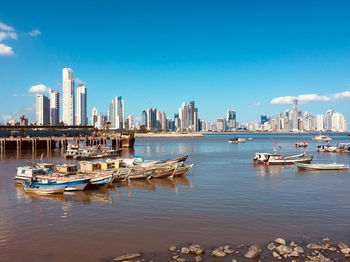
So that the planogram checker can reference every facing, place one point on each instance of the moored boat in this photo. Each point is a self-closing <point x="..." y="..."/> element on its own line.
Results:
<point x="69" y="184"/>
<point x="276" y="159"/>
<point x="301" y="144"/>
<point x="44" y="190"/>
<point x="333" y="166"/>
<point x="339" y="148"/>
<point x="237" y="140"/>
<point x="182" y="170"/>
<point x="322" y="138"/>
<point x="163" y="171"/>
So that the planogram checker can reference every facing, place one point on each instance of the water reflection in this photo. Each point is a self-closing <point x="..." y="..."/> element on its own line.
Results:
<point x="104" y="194"/>
<point x="262" y="170"/>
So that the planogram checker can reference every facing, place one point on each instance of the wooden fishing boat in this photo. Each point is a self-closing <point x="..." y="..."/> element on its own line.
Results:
<point x="181" y="170"/>
<point x="339" y="148"/>
<point x="102" y="179"/>
<point x="276" y="159"/>
<point x="333" y="166"/>
<point x="163" y="171"/>
<point x="301" y="144"/>
<point x="53" y="182"/>
<point x="140" y="173"/>
<point x="44" y="190"/>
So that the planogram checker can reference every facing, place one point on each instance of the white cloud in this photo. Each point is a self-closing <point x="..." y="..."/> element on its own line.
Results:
<point x="40" y="88"/>
<point x="305" y="98"/>
<point x="6" y="27"/>
<point x="4" y="35"/>
<point x="6" y="50"/>
<point x="79" y="81"/>
<point x="35" y="32"/>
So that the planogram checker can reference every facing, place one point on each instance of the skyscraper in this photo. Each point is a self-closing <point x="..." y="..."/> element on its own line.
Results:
<point x="151" y="118"/>
<point x="42" y="110"/>
<point x="295" y="118"/>
<point x="231" y="119"/>
<point x="81" y="105"/>
<point x="68" y="103"/>
<point x="144" y="118"/>
<point x="54" y="107"/>
<point x="116" y="113"/>
<point x="94" y="117"/>
<point x="131" y="121"/>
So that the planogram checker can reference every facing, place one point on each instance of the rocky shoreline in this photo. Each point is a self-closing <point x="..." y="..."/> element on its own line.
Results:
<point x="325" y="250"/>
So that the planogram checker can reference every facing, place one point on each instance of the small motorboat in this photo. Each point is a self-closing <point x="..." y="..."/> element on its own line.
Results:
<point x="322" y="138"/>
<point x="237" y="140"/>
<point x="44" y="190"/>
<point x="339" y="148"/>
<point x="276" y="159"/>
<point x="69" y="184"/>
<point x="301" y="144"/>
<point x="333" y="166"/>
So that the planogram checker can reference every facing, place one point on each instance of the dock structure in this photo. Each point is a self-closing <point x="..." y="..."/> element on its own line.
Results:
<point x="49" y="143"/>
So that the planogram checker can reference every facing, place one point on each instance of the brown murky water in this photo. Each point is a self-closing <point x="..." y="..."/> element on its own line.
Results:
<point x="225" y="199"/>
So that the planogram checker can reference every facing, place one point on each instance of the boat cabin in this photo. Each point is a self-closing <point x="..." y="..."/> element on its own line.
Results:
<point x="66" y="168"/>
<point x="86" y="166"/>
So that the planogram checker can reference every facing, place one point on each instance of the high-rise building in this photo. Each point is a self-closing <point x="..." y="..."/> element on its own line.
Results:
<point x="319" y="122"/>
<point x="328" y="119"/>
<point x="116" y="113"/>
<point x="295" y="117"/>
<point x="94" y="117"/>
<point x="42" y="110"/>
<point x="263" y="119"/>
<point x="144" y="118"/>
<point x="131" y="121"/>
<point x="164" y="125"/>
<point x="231" y="119"/>
<point x="54" y="107"/>
<point x="151" y="118"/>
<point x="68" y="103"/>
<point x="221" y="124"/>
<point x="81" y="105"/>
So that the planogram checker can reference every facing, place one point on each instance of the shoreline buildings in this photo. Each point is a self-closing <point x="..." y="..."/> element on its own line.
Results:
<point x="81" y="106"/>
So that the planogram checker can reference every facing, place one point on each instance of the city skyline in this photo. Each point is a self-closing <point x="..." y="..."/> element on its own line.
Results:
<point x="249" y="57"/>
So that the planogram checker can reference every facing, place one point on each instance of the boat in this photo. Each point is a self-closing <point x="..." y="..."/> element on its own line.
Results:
<point x="322" y="138"/>
<point x="277" y="159"/>
<point x="339" y="148"/>
<point x="163" y="171"/>
<point x="181" y="170"/>
<point x="237" y="140"/>
<point x="333" y="166"/>
<point x="140" y="173"/>
<point x="25" y="173"/>
<point x="69" y="184"/>
<point x="44" y="190"/>
<point x="102" y="179"/>
<point x="301" y="144"/>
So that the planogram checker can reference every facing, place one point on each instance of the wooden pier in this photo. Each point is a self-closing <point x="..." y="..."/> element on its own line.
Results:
<point x="49" y="143"/>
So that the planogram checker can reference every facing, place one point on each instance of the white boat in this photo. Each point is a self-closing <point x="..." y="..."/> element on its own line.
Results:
<point x="25" y="173"/>
<point x="237" y="140"/>
<point x="44" y="191"/>
<point x="276" y="159"/>
<point x="322" y="138"/>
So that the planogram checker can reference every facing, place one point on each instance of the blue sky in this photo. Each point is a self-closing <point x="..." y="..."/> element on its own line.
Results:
<point x="222" y="54"/>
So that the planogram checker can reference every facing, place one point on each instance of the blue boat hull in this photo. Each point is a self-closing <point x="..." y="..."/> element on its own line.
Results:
<point x="70" y="186"/>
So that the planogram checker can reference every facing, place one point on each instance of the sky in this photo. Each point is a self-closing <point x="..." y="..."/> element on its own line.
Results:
<point x="250" y="56"/>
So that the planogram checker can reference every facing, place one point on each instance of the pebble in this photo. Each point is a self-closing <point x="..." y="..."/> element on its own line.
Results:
<point x="271" y="246"/>
<point x="299" y="249"/>
<point x="172" y="248"/>
<point x="342" y="245"/>
<point x="276" y="255"/>
<point x="280" y="241"/>
<point x="313" y="246"/>
<point x="326" y="239"/>
<point x="185" y="250"/>
<point x="253" y="252"/>
<point x="234" y="260"/>
<point x="218" y="253"/>
<point x="282" y="250"/>
<point x="198" y="259"/>
<point x="196" y="249"/>
<point x="181" y="259"/>
<point x="127" y="257"/>
<point x="345" y="251"/>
